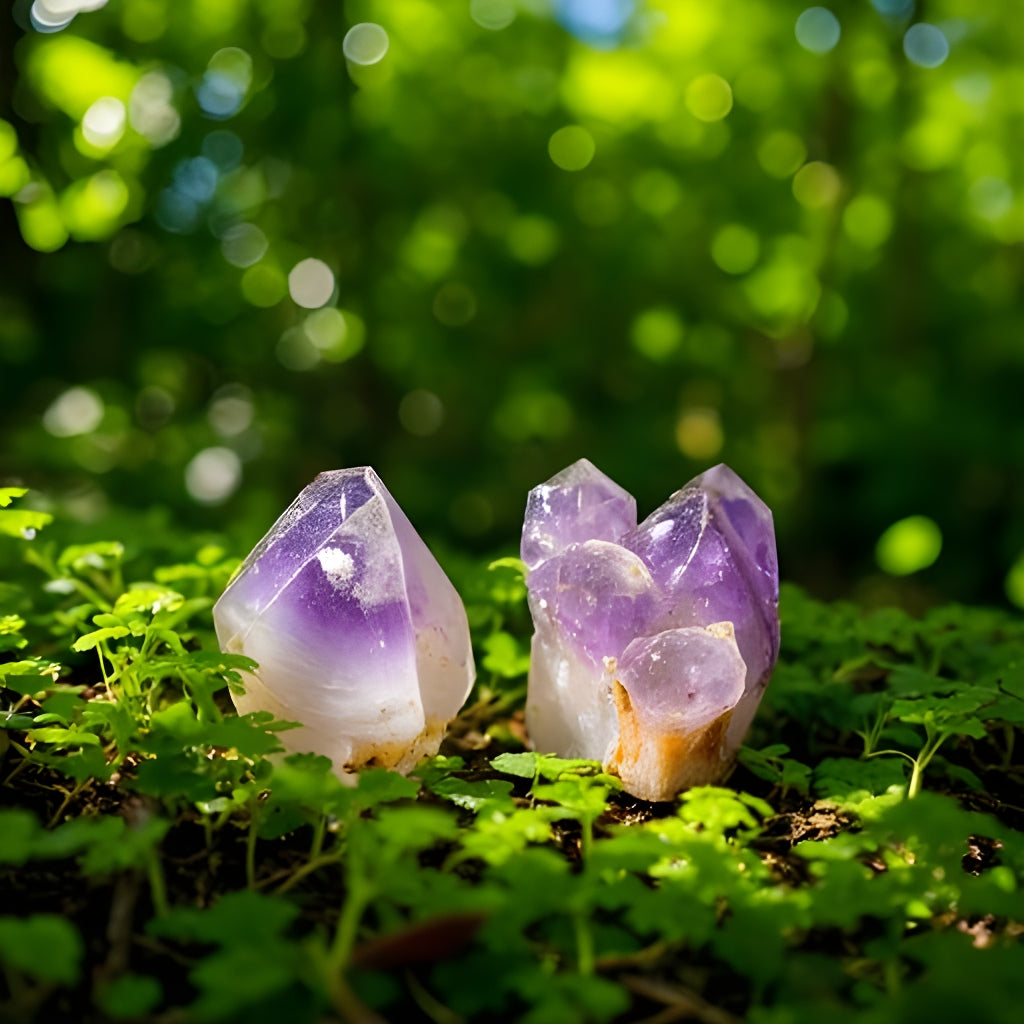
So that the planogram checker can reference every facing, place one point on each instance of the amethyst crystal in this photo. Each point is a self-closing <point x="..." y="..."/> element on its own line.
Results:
<point x="653" y="643"/>
<point x="358" y="633"/>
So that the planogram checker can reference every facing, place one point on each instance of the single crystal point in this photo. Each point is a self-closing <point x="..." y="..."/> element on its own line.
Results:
<point x="578" y="504"/>
<point x="358" y="633"/>
<point x="631" y="620"/>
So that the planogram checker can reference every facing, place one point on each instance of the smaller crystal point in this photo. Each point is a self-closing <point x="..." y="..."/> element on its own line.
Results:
<point x="632" y="619"/>
<point x="359" y="635"/>
<point x="674" y="695"/>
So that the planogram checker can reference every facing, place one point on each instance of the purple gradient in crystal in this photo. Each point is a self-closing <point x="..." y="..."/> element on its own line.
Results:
<point x="682" y="679"/>
<point x="578" y="504"/>
<point x="598" y="593"/>
<point x="358" y="633"/>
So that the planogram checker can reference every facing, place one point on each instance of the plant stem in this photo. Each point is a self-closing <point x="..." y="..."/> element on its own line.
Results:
<point x="308" y="868"/>
<point x="157" y="885"/>
<point x="319" y="831"/>
<point x="933" y="740"/>
<point x="356" y="900"/>
<point x="250" y="854"/>
<point x="584" y="944"/>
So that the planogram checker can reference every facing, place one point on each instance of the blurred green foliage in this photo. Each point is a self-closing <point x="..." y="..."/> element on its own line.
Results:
<point x="660" y="233"/>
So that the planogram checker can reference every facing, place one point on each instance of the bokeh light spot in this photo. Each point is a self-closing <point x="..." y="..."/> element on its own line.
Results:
<point x="224" y="148"/>
<point x="8" y="141"/>
<point x="311" y="283"/>
<point x="818" y="30"/>
<point x="571" y="147"/>
<point x="867" y="220"/>
<point x="492" y="14"/>
<point x="150" y="110"/>
<point x="709" y="97"/>
<point x="539" y="413"/>
<point x="154" y="406"/>
<point x="532" y="239"/>
<point x="893" y="8"/>
<point x="365" y="43"/>
<point x="597" y="22"/>
<point x="656" y="192"/>
<point x="104" y="122"/>
<point x="295" y="351"/>
<point x="213" y="475"/>
<point x="909" y="545"/>
<point x="14" y="176"/>
<point x="336" y="335"/>
<point x="53" y="15"/>
<point x="925" y="45"/>
<point x="816" y="185"/>
<point x="1015" y="582"/>
<point x="656" y="333"/>
<point x="177" y="212"/>
<point x="231" y="410"/>
<point x="76" y="411"/>
<point x="421" y="413"/>
<point x="264" y="285"/>
<point x="781" y="154"/>
<point x="92" y="207"/>
<point x="243" y="245"/>
<point x="990" y="198"/>
<point x="196" y="178"/>
<point x="39" y="219"/>
<point x="699" y="433"/>
<point x="735" y="248"/>
<point x="226" y="82"/>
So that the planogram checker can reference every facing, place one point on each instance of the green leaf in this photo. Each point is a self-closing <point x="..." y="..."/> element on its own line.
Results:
<point x="8" y="494"/>
<point x="18" y="831"/>
<point x="504" y="656"/>
<point x="62" y="737"/>
<point x="125" y="847"/>
<point x="493" y="794"/>
<point x="243" y="918"/>
<point x="722" y="810"/>
<point x="531" y="765"/>
<point x="99" y="555"/>
<point x="91" y="640"/>
<point x="23" y="522"/>
<point x="43" y="947"/>
<point x="131" y="996"/>
<point x="380" y="786"/>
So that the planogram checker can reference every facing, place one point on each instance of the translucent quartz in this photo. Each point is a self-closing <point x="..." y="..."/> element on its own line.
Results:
<point x="653" y="643"/>
<point x="358" y="633"/>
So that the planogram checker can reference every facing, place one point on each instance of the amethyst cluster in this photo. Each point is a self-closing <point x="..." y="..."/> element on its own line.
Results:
<point x="654" y="642"/>
<point x="358" y="633"/>
<point x="652" y="648"/>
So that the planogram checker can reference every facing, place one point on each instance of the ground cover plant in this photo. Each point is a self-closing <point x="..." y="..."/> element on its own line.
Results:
<point x="162" y="862"/>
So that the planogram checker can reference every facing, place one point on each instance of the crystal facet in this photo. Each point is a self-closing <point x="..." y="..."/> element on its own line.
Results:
<point x="653" y="643"/>
<point x="358" y="633"/>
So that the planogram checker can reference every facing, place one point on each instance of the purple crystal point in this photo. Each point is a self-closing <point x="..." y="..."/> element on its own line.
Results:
<point x="358" y="633"/>
<point x="578" y="504"/>
<point x="632" y="619"/>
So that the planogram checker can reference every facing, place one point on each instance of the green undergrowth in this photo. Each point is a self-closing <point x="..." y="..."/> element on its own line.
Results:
<point x="163" y="861"/>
